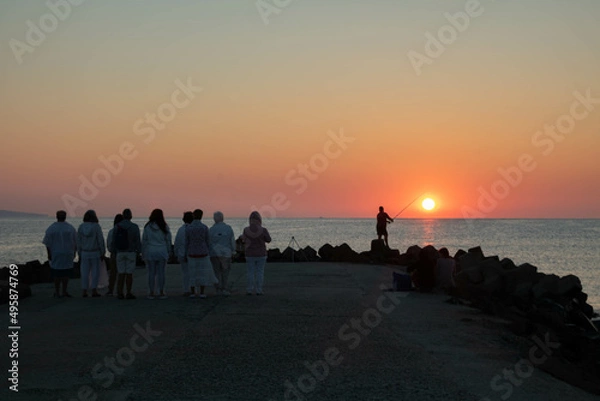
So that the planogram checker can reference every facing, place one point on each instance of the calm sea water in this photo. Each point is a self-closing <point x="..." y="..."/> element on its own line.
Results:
<point x="555" y="246"/>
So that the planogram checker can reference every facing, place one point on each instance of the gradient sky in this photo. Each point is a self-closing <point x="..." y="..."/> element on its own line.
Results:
<point x="273" y="95"/>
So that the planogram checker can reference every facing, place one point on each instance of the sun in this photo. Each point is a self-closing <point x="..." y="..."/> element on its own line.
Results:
<point x="428" y="204"/>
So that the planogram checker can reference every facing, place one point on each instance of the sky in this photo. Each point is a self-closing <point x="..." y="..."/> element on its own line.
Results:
<point x="301" y="108"/>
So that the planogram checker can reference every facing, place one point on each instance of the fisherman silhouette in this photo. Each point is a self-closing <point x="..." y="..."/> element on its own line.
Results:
<point x="382" y="221"/>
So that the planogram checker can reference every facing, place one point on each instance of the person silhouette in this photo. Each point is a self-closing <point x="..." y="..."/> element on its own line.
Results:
<point x="255" y="238"/>
<point x="91" y="248"/>
<point x="197" y="246"/>
<point x="127" y="243"/>
<point x="156" y="249"/>
<point x="61" y="243"/>
<point x="382" y="221"/>
<point x="179" y="245"/>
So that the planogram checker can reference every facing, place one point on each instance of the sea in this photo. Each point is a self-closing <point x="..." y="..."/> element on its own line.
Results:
<point x="557" y="246"/>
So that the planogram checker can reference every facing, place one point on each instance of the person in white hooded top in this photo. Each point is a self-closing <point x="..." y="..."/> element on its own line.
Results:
<point x="156" y="248"/>
<point x="222" y="247"/>
<point x="91" y="248"/>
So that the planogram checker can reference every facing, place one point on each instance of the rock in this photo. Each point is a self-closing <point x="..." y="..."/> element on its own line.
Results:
<point x="424" y="269"/>
<point x="525" y="273"/>
<point x="380" y="253"/>
<point x="288" y="255"/>
<point x="274" y="255"/>
<point x="429" y="254"/>
<point x="46" y="273"/>
<point x="493" y="276"/>
<point x="476" y="251"/>
<point x="522" y="293"/>
<point x="367" y="258"/>
<point x="377" y="253"/>
<point x="340" y="253"/>
<point x="392" y="254"/>
<point x="457" y="257"/>
<point x="472" y="275"/>
<point x="310" y="254"/>
<point x="508" y="264"/>
<point x="4" y="273"/>
<point x="23" y="289"/>
<point x="469" y="260"/>
<point x="459" y="253"/>
<point x="26" y="273"/>
<point x="326" y="253"/>
<point x="413" y="253"/>
<point x="378" y="248"/>
<point x="549" y="313"/>
<point x="587" y="310"/>
<point x="546" y="287"/>
<point x="36" y="272"/>
<point x="581" y="297"/>
<point x="569" y="286"/>
<point x="34" y="263"/>
<point x="306" y="254"/>
<point x="491" y="267"/>
<point x="343" y="253"/>
<point x="482" y="280"/>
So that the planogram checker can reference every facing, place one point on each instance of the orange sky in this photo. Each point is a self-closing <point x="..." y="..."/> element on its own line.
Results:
<point x="260" y="132"/>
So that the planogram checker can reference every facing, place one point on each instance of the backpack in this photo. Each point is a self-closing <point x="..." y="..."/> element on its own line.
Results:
<point x="121" y="239"/>
<point x="401" y="282"/>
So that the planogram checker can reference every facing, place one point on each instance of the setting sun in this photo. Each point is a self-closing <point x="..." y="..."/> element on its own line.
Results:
<point x="428" y="204"/>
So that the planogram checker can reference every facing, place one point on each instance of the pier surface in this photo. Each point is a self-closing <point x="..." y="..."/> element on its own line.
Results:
<point x="322" y="331"/>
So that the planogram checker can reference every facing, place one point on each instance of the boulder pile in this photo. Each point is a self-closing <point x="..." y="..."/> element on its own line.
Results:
<point x="28" y="273"/>
<point x="541" y="307"/>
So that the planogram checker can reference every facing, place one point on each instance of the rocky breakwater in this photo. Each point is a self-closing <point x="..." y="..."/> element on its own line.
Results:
<point x="379" y="254"/>
<point x="540" y="306"/>
<point x="25" y="275"/>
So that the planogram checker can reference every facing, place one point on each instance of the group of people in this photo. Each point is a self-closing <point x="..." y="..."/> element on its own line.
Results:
<point x="205" y="254"/>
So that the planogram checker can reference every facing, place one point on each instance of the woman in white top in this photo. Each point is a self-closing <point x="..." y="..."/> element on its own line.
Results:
<point x="156" y="248"/>
<point x="91" y="248"/>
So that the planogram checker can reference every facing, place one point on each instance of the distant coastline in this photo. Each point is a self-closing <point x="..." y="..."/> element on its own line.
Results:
<point x="11" y="214"/>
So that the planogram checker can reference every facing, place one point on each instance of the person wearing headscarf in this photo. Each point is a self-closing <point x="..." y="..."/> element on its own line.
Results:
<point x="255" y="238"/>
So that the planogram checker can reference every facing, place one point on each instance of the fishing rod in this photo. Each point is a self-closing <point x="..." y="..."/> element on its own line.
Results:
<point x="406" y="207"/>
